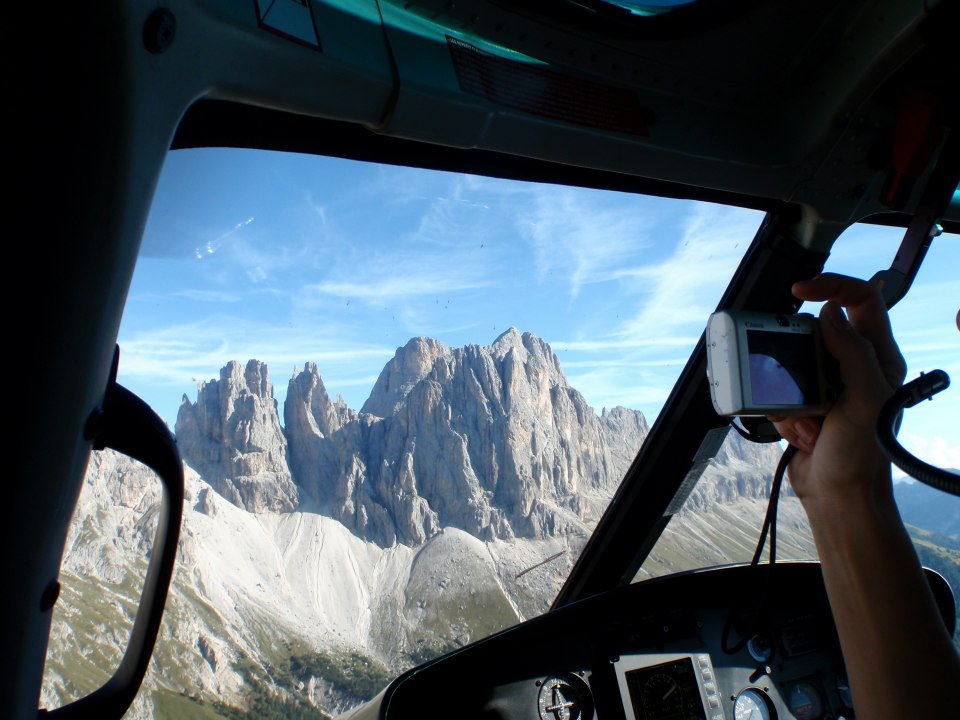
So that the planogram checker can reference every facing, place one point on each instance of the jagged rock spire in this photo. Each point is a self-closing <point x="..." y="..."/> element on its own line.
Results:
<point x="232" y="437"/>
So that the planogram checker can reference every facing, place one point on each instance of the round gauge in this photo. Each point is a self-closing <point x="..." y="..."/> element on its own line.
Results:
<point x="662" y="697"/>
<point x="760" y="648"/>
<point x="565" y="697"/>
<point x="753" y="704"/>
<point x="805" y="702"/>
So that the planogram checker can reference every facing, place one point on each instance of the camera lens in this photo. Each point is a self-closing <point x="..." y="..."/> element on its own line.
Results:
<point x="783" y="321"/>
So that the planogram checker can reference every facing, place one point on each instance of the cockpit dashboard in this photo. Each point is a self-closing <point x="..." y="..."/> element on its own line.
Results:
<point x="731" y="643"/>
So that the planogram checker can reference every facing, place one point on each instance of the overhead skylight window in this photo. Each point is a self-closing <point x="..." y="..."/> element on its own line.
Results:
<point x="646" y="8"/>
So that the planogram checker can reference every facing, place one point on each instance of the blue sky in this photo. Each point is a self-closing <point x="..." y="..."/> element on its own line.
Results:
<point x="290" y="259"/>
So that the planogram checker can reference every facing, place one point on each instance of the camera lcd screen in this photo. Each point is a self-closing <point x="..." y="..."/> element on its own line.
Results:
<point x="783" y="368"/>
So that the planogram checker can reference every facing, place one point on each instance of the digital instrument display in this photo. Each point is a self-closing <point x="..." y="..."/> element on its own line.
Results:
<point x="669" y="691"/>
<point x="783" y="368"/>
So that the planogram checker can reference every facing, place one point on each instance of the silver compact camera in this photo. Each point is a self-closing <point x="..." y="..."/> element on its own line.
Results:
<point x="769" y="364"/>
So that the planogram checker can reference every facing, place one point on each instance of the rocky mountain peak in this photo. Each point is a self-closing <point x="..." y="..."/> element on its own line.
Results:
<point x="513" y="339"/>
<point x="488" y="439"/>
<point x="491" y="440"/>
<point x="255" y="375"/>
<point x="309" y="403"/>
<point x="232" y="437"/>
<point x="411" y="363"/>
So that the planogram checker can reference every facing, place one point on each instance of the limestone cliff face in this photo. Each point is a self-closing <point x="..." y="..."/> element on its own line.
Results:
<point x="741" y="470"/>
<point x="232" y="437"/>
<point x="329" y="450"/>
<point x="491" y="440"/>
<point x="409" y="366"/>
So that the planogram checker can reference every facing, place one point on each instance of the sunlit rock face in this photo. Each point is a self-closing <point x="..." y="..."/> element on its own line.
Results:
<point x="488" y="439"/>
<point x="411" y="364"/>
<point x="232" y="436"/>
<point x="491" y="440"/>
<point x="329" y="457"/>
<point x="740" y="470"/>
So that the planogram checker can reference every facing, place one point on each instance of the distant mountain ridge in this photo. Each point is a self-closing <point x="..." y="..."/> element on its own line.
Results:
<point x="489" y="439"/>
<point x="928" y="508"/>
<point x="320" y="558"/>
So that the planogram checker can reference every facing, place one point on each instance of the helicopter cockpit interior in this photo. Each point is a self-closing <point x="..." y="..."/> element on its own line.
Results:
<point x="821" y="115"/>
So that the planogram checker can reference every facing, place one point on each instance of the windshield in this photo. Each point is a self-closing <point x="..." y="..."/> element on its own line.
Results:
<point x="404" y="399"/>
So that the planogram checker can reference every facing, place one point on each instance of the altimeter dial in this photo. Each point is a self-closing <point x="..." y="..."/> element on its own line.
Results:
<point x="753" y="704"/>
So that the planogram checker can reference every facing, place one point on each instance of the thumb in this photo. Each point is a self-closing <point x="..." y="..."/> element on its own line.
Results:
<point x="856" y="356"/>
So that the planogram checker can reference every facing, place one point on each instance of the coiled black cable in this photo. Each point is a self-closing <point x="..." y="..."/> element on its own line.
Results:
<point x="915" y="391"/>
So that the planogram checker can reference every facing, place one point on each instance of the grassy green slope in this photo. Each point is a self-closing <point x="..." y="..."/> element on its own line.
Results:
<point x="941" y="553"/>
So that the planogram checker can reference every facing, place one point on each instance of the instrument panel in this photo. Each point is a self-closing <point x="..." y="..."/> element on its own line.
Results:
<point x="732" y="643"/>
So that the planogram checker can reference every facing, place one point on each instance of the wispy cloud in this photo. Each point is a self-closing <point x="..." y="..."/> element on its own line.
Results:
<point x="387" y="289"/>
<point x="625" y="363"/>
<point x="605" y="389"/>
<point x="318" y="208"/>
<point x="577" y="235"/>
<point x="365" y="381"/>
<point x="163" y="363"/>
<point x="626" y="343"/>
<point x="666" y="300"/>
<point x="682" y="290"/>
<point x="212" y="246"/>
<point x="199" y="349"/>
<point x="209" y="296"/>
<point x="935" y="450"/>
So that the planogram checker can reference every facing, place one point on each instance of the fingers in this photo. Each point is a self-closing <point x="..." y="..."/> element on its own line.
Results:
<point x="868" y="313"/>
<point x="856" y="356"/>
<point x="830" y="286"/>
<point x="801" y="432"/>
<point x="868" y="316"/>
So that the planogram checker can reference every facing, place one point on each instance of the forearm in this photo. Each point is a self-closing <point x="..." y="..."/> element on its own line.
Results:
<point x="900" y="660"/>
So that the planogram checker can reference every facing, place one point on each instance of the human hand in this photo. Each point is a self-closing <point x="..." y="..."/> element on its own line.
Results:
<point x="840" y="457"/>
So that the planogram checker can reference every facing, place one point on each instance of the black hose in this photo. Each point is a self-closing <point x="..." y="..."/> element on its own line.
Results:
<point x="915" y="391"/>
<point x="770" y="521"/>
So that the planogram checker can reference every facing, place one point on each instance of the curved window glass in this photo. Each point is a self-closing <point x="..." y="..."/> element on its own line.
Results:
<point x="404" y="399"/>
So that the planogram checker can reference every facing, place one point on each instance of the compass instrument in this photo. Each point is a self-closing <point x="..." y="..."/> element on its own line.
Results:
<point x="565" y="697"/>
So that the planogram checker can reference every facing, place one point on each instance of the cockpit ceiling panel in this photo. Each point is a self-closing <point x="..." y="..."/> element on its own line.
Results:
<point x="778" y="102"/>
<point x="642" y="8"/>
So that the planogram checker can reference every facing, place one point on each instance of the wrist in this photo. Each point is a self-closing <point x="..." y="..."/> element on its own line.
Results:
<point x="853" y="517"/>
<point x="864" y="500"/>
